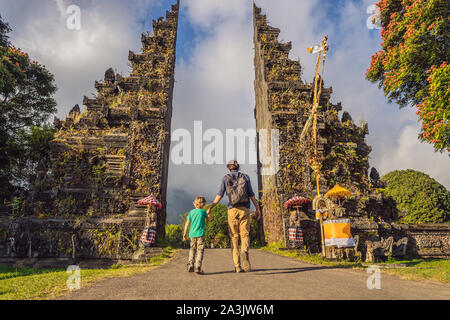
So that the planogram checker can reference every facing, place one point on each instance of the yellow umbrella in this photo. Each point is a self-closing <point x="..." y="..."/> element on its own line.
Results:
<point x="338" y="192"/>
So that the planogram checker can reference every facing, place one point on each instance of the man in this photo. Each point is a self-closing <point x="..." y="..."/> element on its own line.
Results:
<point x="238" y="187"/>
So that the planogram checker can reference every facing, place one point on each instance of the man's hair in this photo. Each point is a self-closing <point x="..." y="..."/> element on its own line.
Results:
<point x="199" y="202"/>
<point x="233" y="165"/>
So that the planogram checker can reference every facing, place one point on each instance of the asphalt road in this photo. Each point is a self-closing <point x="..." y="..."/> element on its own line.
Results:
<point x="273" y="278"/>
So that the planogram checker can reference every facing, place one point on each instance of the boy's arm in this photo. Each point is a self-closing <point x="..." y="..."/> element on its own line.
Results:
<point x="215" y="203"/>
<point x="188" y="222"/>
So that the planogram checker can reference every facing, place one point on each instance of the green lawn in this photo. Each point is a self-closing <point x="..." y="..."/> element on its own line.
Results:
<point x="437" y="270"/>
<point x="422" y="269"/>
<point x="43" y="284"/>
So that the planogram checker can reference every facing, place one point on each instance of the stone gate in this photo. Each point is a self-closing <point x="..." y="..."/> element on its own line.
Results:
<point x="284" y="103"/>
<point x="84" y="202"/>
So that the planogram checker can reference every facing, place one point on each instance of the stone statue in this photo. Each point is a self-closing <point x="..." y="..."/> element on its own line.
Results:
<point x="294" y="219"/>
<point x="379" y="250"/>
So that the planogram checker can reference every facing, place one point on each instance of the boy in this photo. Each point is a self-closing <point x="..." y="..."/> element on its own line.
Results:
<point x="196" y="219"/>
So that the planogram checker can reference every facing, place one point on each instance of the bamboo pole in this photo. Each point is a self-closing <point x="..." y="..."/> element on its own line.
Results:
<point x="317" y="94"/>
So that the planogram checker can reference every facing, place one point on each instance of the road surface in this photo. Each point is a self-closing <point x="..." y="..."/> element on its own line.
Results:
<point x="273" y="278"/>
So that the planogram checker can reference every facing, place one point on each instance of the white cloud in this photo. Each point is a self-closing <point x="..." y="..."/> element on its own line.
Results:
<point x="411" y="154"/>
<point x="206" y="14"/>
<point x="77" y="58"/>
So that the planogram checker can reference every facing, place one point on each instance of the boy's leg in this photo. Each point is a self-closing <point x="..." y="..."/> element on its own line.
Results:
<point x="233" y="224"/>
<point x="244" y="230"/>
<point x="199" y="254"/>
<point x="192" y="254"/>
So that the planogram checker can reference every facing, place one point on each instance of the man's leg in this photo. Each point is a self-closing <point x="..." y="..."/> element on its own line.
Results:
<point x="244" y="230"/>
<point x="200" y="253"/>
<point x="192" y="252"/>
<point x="233" y="224"/>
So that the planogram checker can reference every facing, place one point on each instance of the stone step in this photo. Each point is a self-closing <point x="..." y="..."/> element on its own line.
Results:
<point x="137" y="213"/>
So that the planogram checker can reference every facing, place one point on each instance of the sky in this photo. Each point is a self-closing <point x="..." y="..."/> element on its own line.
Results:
<point x="215" y="74"/>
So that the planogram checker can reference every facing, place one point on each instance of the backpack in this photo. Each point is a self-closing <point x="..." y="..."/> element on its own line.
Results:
<point x="237" y="189"/>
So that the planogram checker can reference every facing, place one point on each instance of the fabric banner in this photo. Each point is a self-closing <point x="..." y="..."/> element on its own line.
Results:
<point x="151" y="201"/>
<point x="324" y="214"/>
<point x="296" y="234"/>
<point x="315" y="49"/>
<point x="337" y="233"/>
<point x="148" y="237"/>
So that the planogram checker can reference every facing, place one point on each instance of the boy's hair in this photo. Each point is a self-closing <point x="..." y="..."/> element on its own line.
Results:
<point x="199" y="202"/>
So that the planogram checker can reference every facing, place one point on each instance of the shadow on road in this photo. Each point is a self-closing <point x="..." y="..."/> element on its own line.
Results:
<point x="215" y="273"/>
<point x="264" y="272"/>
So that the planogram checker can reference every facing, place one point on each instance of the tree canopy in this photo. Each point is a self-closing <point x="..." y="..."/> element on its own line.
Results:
<point x="421" y="198"/>
<point x="412" y="65"/>
<point x="26" y="102"/>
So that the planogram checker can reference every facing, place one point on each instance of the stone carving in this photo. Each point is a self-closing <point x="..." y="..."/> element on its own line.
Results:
<point x="378" y="250"/>
<point x="336" y="211"/>
<point x="429" y="243"/>
<point x="11" y="247"/>
<point x="294" y="218"/>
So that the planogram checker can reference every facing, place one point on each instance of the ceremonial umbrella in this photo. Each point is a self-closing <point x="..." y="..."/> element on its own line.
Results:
<point x="296" y="201"/>
<point x="150" y="200"/>
<point x="338" y="192"/>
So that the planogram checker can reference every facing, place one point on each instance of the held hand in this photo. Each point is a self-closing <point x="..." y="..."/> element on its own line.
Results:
<point x="184" y="237"/>
<point x="258" y="214"/>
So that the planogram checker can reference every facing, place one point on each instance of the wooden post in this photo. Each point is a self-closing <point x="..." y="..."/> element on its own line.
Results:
<point x="324" y="253"/>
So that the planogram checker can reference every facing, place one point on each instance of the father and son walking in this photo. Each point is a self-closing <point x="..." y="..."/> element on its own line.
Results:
<point x="238" y="187"/>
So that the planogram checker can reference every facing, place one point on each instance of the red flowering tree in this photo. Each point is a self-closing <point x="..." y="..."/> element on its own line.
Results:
<point x="26" y="102"/>
<point x="412" y="67"/>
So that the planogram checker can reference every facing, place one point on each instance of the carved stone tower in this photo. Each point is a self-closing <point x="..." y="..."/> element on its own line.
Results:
<point x="283" y="103"/>
<point x="117" y="151"/>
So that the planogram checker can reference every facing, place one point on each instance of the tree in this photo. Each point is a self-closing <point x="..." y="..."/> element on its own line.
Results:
<point x="4" y="30"/>
<point x="26" y="102"/>
<point x="174" y="235"/>
<point x="412" y="67"/>
<point x="34" y="144"/>
<point x="420" y="198"/>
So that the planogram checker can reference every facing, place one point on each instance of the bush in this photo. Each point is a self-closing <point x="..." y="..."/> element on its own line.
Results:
<point x="421" y="198"/>
<point x="174" y="235"/>
<point x="217" y="228"/>
<point x="217" y="232"/>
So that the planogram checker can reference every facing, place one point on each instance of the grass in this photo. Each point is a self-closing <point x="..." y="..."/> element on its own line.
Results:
<point x="310" y="258"/>
<point x="437" y="270"/>
<point x="44" y="284"/>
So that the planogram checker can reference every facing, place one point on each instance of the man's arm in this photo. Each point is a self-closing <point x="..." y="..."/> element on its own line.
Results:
<point x="188" y="222"/>
<point x="256" y="204"/>
<point x="251" y="194"/>
<point x="218" y="197"/>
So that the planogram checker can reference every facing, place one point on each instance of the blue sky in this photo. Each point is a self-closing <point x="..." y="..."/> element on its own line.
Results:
<point x="214" y="73"/>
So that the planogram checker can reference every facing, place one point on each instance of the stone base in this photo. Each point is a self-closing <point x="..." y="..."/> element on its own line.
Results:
<point x="32" y="239"/>
<point x="63" y="263"/>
